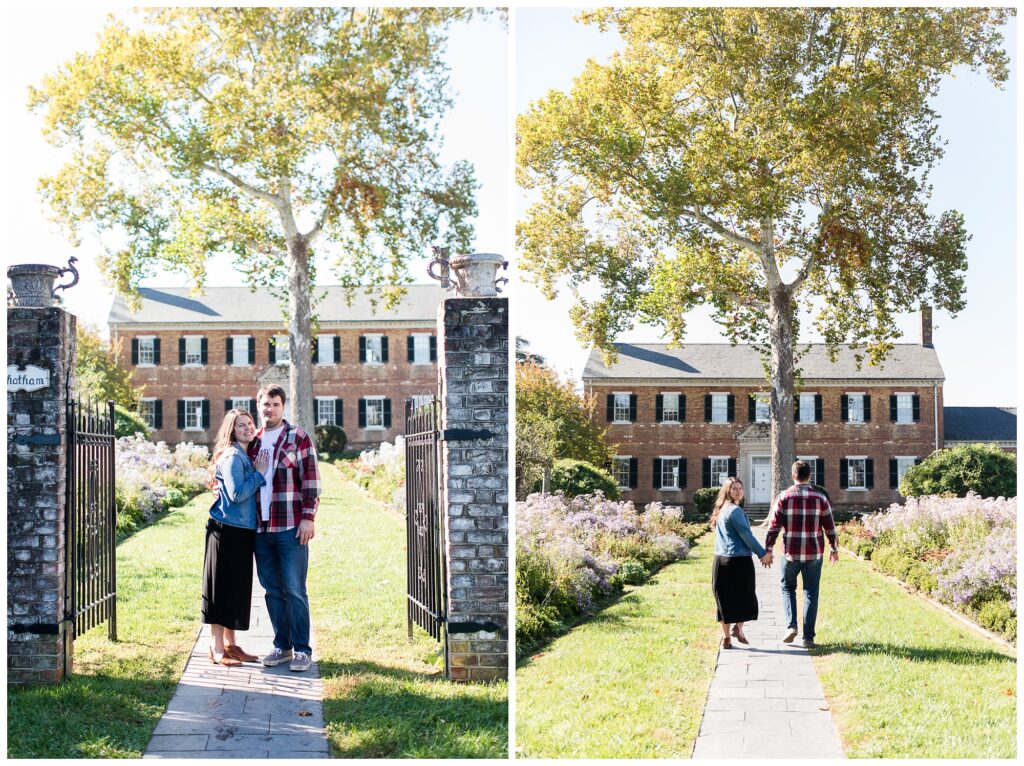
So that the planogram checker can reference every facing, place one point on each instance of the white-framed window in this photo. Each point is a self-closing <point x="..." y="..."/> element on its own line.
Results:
<point x="620" y="412"/>
<point x="325" y="410"/>
<point x="719" y="408"/>
<point x="325" y="350"/>
<point x="812" y="461"/>
<point x="418" y="400"/>
<point x="193" y="350"/>
<point x="374" y="350"/>
<point x="670" y="408"/>
<point x="807" y="408"/>
<point x="762" y="408"/>
<point x="904" y="408"/>
<point x="193" y="413"/>
<point x="855" y="408"/>
<point x="147" y="350"/>
<point x="620" y="470"/>
<point x="420" y="348"/>
<point x="240" y="351"/>
<point x="240" y="403"/>
<point x="147" y="407"/>
<point x="719" y="470"/>
<point x="670" y="472"/>
<point x="374" y="410"/>
<point x="857" y="472"/>
<point x="903" y="463"/>
<point x="282" y="350"/>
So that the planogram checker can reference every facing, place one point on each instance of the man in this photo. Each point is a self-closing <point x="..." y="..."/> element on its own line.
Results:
<point x="287" y="509"/>
<point x="803" y="512"/>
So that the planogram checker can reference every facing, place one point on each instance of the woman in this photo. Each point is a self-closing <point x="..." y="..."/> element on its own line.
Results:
<point x="732" y="573"/>
<point x="230" y="537"/>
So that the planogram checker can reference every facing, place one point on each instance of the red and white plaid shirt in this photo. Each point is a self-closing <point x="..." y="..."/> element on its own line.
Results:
<point x="296" y="486"/>
<point x="803" y="512"/>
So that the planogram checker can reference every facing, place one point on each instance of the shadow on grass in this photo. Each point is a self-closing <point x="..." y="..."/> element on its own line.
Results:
<point x="390" y="712"/>
<point x="919" y="654"/>
<point x="86" y="716"/>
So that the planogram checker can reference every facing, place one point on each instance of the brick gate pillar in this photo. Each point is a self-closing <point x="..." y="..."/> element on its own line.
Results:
<point x="473" y="377"/>
<point x="38" y="639"/>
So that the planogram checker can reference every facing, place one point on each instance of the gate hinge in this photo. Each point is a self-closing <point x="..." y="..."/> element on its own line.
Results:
<point x="472" y="627"/>
<point x="465" y="434"/>
<point x="40" y="628"/>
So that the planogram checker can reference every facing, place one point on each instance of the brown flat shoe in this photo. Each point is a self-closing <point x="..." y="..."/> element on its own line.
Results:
<point x="225" y="660"/>
<point x="238" y="653"/>
<point x="739" y="636"/>
<point x="726" y="643"/>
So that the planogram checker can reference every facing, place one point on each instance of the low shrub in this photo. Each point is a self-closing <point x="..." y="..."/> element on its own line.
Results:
<point x="995" y="615"/>
<point x="704" y="500"/>
<point x="632" y="572"/>
<point x="330" y="439"/>
<point x="578" y="477"/>
<point x="381" y="472"/>
<point x="128" y="423"/>
<point x="983" y="469"/>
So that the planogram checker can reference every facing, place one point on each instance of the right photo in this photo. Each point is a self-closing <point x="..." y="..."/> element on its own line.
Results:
<point x="765" y="409"/>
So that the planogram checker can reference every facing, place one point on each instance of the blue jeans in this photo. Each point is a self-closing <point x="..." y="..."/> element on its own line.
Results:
<point x="281" y="565"/>
<point x="810" y="572"/>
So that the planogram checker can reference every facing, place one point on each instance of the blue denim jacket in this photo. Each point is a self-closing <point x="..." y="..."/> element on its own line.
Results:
<point x="238" y="480"/>
<point x="733" y="536"/>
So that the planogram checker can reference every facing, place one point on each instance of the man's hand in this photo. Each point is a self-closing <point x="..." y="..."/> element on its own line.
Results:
<point x="305" y="531"/>
<point x="833" y="556"/>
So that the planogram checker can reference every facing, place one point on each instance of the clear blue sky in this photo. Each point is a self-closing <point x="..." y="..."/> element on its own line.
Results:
<point x="39" y="39"/>
<point x="977" y="176"/>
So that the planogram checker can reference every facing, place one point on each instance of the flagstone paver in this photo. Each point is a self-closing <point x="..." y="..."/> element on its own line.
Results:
<point x="243" y="712"/>
<point x="765" y="700"/>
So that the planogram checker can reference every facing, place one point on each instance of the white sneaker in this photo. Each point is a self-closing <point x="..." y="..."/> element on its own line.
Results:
<point x="276" y="657"/>
<point x="300" y="662"/>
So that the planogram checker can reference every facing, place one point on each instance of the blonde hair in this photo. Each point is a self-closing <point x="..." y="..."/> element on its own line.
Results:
<point x="724" y="496"/>
<point x="225" y="438"/>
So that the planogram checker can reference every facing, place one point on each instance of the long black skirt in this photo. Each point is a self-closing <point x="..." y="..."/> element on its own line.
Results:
<point x="732" y="580"/>
<point x="227" y="575"/>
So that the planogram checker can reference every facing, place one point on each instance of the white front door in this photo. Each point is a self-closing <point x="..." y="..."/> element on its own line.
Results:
<point x="760" y="492"/>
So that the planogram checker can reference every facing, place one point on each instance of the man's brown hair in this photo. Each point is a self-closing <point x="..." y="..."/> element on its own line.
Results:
<point x="271" y="390"/>
<point x="801" y="470"/>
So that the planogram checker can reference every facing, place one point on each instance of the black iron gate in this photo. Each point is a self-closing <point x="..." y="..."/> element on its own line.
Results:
<point x="425" y="573"/>
<point x="91" y="584"/>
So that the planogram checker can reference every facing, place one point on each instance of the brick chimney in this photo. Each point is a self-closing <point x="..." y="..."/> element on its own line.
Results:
<point x="926" y="326"/>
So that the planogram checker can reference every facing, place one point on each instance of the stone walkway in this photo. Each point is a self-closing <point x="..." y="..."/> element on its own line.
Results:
<point x="765" y="700"/>
<point x="243" y="712"/>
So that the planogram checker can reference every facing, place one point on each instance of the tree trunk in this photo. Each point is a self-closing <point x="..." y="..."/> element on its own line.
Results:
<point x="300" y="392"/>
<point x="783" y="382"/>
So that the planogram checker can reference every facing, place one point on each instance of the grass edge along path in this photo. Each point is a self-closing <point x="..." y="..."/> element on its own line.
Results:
<point x="906" y="680"/>
<point x="632" y="680"/>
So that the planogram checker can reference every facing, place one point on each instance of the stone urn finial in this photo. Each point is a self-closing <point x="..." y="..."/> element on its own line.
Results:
<point x="473" y="275"/>
<point x="32" y="283"/>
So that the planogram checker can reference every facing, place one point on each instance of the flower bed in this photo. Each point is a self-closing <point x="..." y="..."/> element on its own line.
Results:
<point x="381" y="472"/>
<point x="572" y="553"/>
<point x="961" y="551"/>
<point x="151" y="478"/>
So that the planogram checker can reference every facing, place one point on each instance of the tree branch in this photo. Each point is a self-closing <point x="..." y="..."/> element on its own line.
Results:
<point x="238" y="183"/>
<point x="722" y="231"/>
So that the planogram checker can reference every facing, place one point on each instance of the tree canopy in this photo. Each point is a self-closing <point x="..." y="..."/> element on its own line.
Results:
<point x="98" y="376"/>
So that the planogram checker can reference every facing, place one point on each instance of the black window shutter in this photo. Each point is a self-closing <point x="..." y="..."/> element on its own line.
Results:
<point x="657" y="473"/>
<point x="206" y="413"/>
<point x="633" y="463"/>
<point x="252" y="411"/>
<point x="339" y="412"/>
<point x="203" y="349"/>
<point x="387" y="413"/>
<point x="894" y="474"/>
<point x="227" y="405"/>
<point x="229" y="347"/>
<point x="869" y="472"/>
<point x="135" y="350"/>
<point x="682" y="473"/>
<point x="659" y="408"/>
<point x="362" y="413"/>
<point x="384" y="348"/>
<point x="732" y="466"/>
<point x="817" y="408"/>
<point x="156" y="351"/>
<point x="844" y="405"/>
<point x="682" y="407"/>
<point x="611" y="407"/>
<point x="892" y="408"/>
<point x="433" y="348"/>
<point x="751" y="408"/>
<point x="844" y="473"/>
<point x="410" y="348"/>
<point x="707" y="410"/>
<point x="181" y="413"/>
<point x="819" y="473"/>
<point x="337" y="349"/>
<point x="730" y="413"/>
<point x="181" y="351"/>
<point x="632" y="408"/>
<point x="796" y="408"/>
<point x="252" y="351"/>
<point x="867" y="408"/>
<point x="158" y="414"/>
<point x="272" y="351"/>
<point x="917" y="408"/>
<point x="316" y="351"/>
<point x="362" y="349"/>
<point x="705" y="472"/>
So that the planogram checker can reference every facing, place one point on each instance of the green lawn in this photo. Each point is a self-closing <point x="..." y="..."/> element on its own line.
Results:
<point x="382" y="696"/>
<point x="630" y="682"/>
<point x="906" y="680"/>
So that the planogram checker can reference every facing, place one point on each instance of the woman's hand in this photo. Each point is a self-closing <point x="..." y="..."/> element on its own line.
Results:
<point x="766" y="559"/>
<point x="262" y="461"/>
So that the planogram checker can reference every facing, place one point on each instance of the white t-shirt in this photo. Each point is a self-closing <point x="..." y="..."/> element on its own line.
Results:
<point x="267" y="442"/>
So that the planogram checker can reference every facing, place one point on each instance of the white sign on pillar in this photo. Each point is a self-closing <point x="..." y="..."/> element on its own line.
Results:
<point x="31" y="378"/>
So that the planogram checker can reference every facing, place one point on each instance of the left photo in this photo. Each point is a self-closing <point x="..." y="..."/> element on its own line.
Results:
<point x="258" y="383"/>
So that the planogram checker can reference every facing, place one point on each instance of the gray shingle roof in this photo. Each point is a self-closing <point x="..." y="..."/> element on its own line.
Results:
<point x="239" y="305"/>
<point x="722" y="361"/>
<point x="964" y="424"/>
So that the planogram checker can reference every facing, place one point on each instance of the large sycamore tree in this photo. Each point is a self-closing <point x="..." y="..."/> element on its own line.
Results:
<point x="260" y="132"/>
<point x="771" y="164"/>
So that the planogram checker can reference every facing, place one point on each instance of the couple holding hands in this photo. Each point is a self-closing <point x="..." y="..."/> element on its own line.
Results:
<point x="803" y="513"/>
